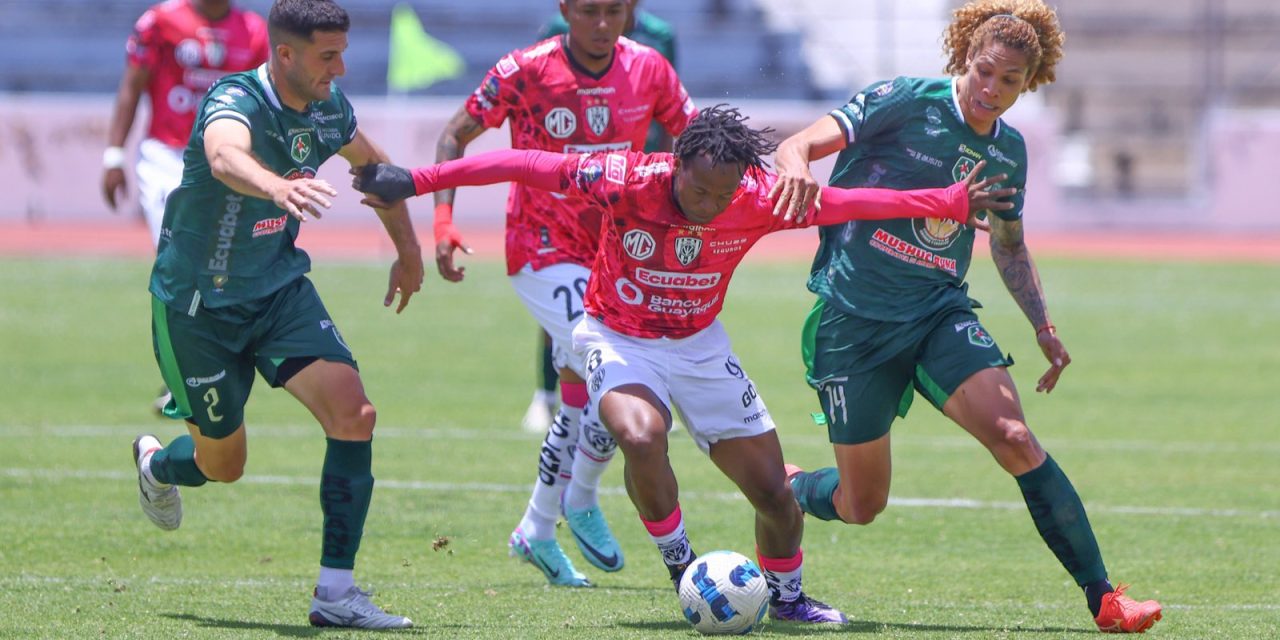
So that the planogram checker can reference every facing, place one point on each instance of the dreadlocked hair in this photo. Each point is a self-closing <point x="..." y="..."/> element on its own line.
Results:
<point x="721" y="134"/>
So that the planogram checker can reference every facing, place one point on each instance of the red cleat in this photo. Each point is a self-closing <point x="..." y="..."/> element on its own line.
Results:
<point x="1122" y="614"/>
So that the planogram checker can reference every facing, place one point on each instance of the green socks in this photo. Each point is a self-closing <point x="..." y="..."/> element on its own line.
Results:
<point x="346" y="487"/>
<point x="814" y="491"/>
<point x="176" y="463"/>
<point x="1060" y="518"/>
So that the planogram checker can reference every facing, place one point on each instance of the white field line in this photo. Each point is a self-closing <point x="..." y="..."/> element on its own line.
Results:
<point x="513" y="434"/>
<point x="56" y="475"/>
<point x="80" y="582"/>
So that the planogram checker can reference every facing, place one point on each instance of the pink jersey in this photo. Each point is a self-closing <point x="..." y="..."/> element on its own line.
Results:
<point x="555" y="105"/>
<point x="657" y="274"/>
<point x="184" y="53"/>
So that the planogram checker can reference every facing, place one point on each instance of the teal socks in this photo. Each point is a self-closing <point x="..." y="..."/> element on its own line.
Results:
<point x="346" y="487"/>
<point x="814" y="491"/>
<point x="176" y="464"/>
<point x="1060" y="518"/>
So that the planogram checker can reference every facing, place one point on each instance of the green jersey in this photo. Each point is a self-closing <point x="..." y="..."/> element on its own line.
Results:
<point x="219" y="247"/>
<point x="908" y="133"/>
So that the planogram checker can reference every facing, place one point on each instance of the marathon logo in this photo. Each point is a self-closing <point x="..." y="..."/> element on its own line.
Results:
<point x="269" y="226"/>
<point x="673" y="280"/>
<point x="907" y="252"/>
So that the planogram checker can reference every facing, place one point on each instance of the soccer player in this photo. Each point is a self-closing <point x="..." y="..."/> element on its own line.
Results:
<point x="230" y="294"/>
<point x="590" y="90"/>
<point x="177" y="49"/>
<point x="893" y="309"/>
<point x="675" y="227"/>
<point x="651" y="31"/>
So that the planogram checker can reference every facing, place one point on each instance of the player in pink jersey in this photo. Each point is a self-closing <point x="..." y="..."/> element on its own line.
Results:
<point x="177" y="49"/>
<point x="589" y="90"/>
<point x="675" y="227"/>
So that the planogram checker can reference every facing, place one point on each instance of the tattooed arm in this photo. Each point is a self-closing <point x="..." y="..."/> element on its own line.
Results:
<point x="461" y="130"/>
<point x="1016" y="268"/>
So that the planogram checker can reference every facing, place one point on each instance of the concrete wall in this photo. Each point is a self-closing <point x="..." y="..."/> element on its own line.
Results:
<point x="51" y="150"/>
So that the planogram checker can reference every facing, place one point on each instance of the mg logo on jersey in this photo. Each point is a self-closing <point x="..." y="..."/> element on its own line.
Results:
<point x="598" y="118"/>
<point x="300" y="147"/>
<point x="561" y="123"/>
<point x="687" y="249"/>
<point x="638" y="244"/>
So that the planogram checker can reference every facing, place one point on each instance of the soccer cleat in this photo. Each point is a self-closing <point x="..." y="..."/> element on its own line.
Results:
<point x="353" y="609"/>
<point x="162" y="506"/>
<point x="540" y="414"/>
<point x="1122" y="614"/>
<point x="549" y="558"/>
<point x="595" y="540"/>
<point x="677" y="570"/>
<point x="805" y="609"/>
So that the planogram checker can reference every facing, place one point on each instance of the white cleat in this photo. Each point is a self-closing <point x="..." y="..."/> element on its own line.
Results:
<point x="541" y="411"/>
<point x="162" y="504"/>
<point x="353" y="609"/>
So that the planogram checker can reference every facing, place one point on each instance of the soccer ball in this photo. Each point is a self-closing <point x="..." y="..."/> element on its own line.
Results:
<point x="723" y="592"/>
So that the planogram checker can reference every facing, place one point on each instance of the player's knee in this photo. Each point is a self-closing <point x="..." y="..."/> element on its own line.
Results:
<point x="1016" y="447"/>
<point x="637" y="441"/>
<point x="854" y="509"/>
<point x="354" y="424"/>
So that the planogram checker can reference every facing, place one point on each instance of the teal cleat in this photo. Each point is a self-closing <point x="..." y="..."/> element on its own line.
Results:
<point x="595" y="540"/>
<point x="548" y="557"/>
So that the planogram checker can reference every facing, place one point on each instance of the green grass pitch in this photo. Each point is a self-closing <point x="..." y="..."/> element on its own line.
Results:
<point x="1166" y="422"/>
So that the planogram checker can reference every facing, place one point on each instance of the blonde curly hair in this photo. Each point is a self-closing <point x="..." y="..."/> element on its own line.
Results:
<point x="1029" y="26"/>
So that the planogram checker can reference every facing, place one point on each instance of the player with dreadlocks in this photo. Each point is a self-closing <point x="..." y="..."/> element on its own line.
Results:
<point x="675" y="227"/>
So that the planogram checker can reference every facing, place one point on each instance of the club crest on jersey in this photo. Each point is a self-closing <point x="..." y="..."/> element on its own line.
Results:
<point x="598" y="118"/>
<point x="638" y="244"/>
<point x="687" y="249"/>
<point x="300" y="147"/>
<point x="561" y="123"/>
<point x="979" y="337"/>
<point x="507" y="66"/>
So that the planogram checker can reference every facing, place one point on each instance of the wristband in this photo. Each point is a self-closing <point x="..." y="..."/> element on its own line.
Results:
<point x="1047" y="327"/>
<point x="113" y="158"/>
<point x="444" y="213"/>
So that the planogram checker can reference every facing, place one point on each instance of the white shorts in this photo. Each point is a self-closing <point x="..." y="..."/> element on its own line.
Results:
<point x="699" y="375"/>
<point x="159" y="172"/>
<point x="554" y="296"/>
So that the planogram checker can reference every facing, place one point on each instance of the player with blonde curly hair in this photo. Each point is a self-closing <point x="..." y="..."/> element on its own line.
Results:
<point x="893" y="310"/>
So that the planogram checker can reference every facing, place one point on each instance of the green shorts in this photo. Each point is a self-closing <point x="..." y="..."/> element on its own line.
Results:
<point x="865" y="370"/>
<point x="208" y="359"/>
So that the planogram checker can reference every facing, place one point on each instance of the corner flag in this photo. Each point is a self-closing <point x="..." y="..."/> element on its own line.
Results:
<point x="417" y="60"/>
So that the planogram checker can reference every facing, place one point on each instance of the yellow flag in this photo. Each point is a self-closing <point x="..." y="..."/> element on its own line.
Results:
<point x="416" y="59"/>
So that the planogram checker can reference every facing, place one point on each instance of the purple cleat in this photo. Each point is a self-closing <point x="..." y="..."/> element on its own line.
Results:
<point x="805" y="609"/>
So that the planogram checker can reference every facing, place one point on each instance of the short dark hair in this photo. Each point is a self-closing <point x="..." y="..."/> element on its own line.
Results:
<point x="302" y="18"/>
<point x="721" y="134"/>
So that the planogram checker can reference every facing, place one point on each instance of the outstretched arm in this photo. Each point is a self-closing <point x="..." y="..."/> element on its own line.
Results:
<point x="388" y="183"/>
<point x="1013" y="261"/>
<point x="960" y="202"/>
<point x="796" y="191"/>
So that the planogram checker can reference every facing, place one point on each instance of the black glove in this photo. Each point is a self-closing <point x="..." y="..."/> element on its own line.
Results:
<point x="386" y="181"/>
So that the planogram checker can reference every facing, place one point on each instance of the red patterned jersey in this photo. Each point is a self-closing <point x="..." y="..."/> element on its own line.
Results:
<point x="552" y="104"/>
<point x="657" y="274"/>
<point x="184" y="53"/>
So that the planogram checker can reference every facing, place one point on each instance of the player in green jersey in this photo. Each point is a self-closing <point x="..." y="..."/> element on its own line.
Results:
<point x="893" y="311"/>
<point x="230" y="295"/>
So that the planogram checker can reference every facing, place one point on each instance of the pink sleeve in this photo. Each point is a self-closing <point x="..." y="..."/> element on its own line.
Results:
<point x="842" y="205"/>
<point x="142" y="47"/>
<point x="537" y="169"/>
